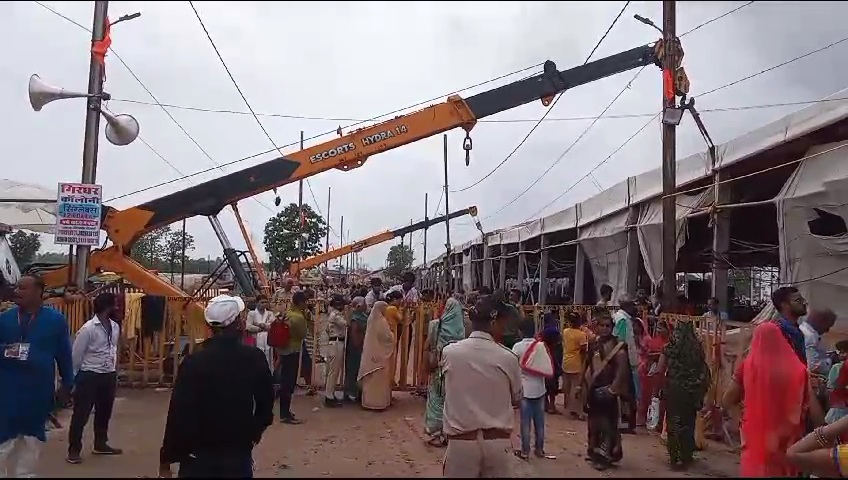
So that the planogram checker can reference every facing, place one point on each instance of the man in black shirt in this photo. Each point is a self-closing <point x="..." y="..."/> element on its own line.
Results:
<point x="221" y="404"/>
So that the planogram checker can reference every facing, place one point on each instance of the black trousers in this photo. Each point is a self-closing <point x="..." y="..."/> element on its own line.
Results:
<point x="287" y="375"/>
<point x="234" y="465"/>
<point x="92" y="391"/>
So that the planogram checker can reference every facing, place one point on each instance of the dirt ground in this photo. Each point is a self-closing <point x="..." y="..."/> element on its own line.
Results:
<point x="356" y="443"/>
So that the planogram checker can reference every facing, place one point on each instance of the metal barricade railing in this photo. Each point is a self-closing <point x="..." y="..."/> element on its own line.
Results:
<point x="150" y="357"/>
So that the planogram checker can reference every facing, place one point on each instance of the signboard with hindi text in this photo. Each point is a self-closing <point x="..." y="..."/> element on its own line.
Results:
<point x="78" y="209"/>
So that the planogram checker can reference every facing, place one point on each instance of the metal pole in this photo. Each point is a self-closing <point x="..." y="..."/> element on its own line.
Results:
<point x="347" y="267"/>
<point x="300" y="212"/>
<point x="341" y="240"/>
<point x="669" y="149"/>
<point x="327" y="242"/>
<point x="92" y="128"/>
<point x="425" y="231"/>
<point x="447" y="222"/>
<point x="183" y="259"/>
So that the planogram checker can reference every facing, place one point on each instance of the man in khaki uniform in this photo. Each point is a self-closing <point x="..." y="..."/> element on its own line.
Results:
<point x="336" y="332"/>
<point x="482" y="384"/>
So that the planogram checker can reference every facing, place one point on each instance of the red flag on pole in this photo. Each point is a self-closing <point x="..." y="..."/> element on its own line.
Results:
<point x="99" y="48"/>
<point x="668" y="85"/>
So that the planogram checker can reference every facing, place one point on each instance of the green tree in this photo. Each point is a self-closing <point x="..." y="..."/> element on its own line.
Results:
<point x="173" y="245"/>
<point x="150" y="250"/>
<point x="24" y="246"/>
<point x="281" y="235"/>
<point x="398" y="260"/>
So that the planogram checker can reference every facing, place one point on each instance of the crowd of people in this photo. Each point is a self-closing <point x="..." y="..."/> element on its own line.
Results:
<point x="486" y="362"/>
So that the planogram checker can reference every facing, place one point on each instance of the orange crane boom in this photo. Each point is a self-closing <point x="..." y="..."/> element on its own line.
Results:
<point x="296" y="267"/>
<point x="349" y="151"/>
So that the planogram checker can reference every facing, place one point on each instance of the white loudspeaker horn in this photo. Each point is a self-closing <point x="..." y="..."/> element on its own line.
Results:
<point x="41" y="93"/>
<point x="120" y="129"/>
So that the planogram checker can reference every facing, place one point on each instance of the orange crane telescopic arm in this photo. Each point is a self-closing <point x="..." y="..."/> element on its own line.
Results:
<point x="296" y="268"/>
<point x="351" y="150"/>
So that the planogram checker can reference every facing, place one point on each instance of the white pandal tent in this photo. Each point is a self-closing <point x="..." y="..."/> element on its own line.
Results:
<point x="25" y="206"/>
<point x="815" y="261"/>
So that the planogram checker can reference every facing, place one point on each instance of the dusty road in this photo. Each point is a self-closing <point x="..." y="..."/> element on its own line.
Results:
<point x="353" y="442"/>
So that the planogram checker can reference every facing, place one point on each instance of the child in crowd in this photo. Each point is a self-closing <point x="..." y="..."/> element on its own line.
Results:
<point x="575" y="343"/>
<point x="532" y="410"/>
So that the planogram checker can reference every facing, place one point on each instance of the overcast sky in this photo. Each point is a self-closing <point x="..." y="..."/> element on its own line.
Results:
<point x="357" y="60"/>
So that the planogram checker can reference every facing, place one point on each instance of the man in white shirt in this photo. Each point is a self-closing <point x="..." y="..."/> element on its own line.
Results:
<point x="817" y="323"/>
<point x="257" y="325"/>
<point x="95" y="356"/>
<point x="533" y="403"/>
<point x="336" y="333"/>
<point x="375" y="294"/>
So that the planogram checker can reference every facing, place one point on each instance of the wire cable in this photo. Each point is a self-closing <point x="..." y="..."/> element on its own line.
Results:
<point x="547" y="112"/>
<point x="714" y="19"/>
<point x="775" y="67"/>
<point x="252" y="112"/>
<point x="327" y="132"/>
<point x="706" y="93"/>
<point x="620" y="147"/>
<point x="504" y="121"/>
<point x="153" y="97"/>
<point x="570" y="147"/>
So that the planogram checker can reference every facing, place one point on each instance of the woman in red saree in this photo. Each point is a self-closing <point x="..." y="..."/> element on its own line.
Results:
<point x="649" y="355"/>
<point x="776" y="395"/>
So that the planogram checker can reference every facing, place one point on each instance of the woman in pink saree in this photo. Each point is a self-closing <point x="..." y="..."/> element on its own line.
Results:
<point x="776" y="396"/>
<point x="377" y="354"/>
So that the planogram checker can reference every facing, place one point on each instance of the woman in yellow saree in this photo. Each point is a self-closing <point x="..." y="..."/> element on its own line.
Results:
<point x="377" y="354"/>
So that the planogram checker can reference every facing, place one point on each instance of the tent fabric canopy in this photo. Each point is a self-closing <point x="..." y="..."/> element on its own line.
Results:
<point x="816" y="263"/>
<point x="26" y="206"/>
<point x="605" y="244"/>
<point x="648" y="185"/>
<point x="649" y="228"/>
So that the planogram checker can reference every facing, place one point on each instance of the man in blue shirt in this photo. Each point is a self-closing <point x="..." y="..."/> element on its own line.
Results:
<point x="34" y="339"/>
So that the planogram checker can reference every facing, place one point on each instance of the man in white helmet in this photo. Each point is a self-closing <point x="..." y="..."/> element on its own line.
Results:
<point x="222" y="402"/>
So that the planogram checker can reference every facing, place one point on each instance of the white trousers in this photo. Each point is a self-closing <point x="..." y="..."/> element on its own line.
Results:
<point x="19" y="457"/>
<point x="335" y="360"/>
<point x="262" y="345"/>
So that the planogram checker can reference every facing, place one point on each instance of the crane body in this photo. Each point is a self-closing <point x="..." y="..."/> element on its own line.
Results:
<point x="349" y="151"/>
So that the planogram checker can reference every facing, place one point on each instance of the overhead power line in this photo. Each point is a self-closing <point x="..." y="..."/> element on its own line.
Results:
<point x="485" y="120"/>
<point x="570" y="147"/>
<point x="698" y="27"/>
<point x="775" y="67"/>
<point x="547" y="112"/>
<point x="252" y="112"/>
<point x="508" y="121"/>
<point x="153" y="97"/>
<point x="331" y="131"/>
<point x="735" y="82"/>
<point x="590" y="172"/>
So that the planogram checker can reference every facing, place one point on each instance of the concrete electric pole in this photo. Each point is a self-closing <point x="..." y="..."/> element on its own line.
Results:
<point x="669" y="166"/>
<point x="92" y="127"/>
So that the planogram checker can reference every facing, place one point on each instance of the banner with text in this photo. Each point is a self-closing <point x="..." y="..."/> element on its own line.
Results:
<point x="78" y="208"/>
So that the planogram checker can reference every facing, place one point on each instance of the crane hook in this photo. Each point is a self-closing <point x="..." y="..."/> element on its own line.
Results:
<point x="467" y="145"/>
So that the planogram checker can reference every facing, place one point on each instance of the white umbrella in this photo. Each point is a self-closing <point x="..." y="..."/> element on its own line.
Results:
<point x="27" y="206"/>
